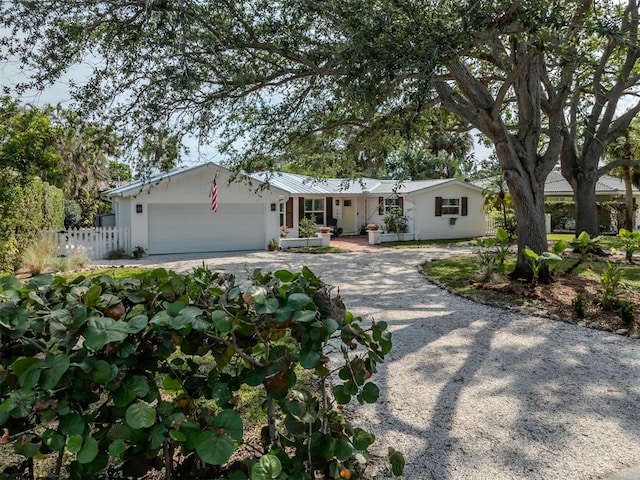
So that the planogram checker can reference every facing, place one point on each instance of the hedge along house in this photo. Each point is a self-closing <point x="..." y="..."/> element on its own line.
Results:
<point x="172" y="212"/>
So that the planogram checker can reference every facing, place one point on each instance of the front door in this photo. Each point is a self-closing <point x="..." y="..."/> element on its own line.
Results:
<point x="349" y="215"/>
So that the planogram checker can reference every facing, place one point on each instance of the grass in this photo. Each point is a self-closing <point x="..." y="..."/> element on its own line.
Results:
<point x="455" y="273"/>
<point x="314" y="250"/>
<point x="115" y="273"/>
<point x="456" y="242"/>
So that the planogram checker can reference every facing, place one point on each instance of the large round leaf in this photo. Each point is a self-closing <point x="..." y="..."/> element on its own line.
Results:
<point x="309" y="358"/>
<point x="214" y="448"/>
<point x="268" y="468"/>
<point x="54" y="366"/>
<point x="231" y="423"/>
<point x="140" y="415"/>
<point x="370" y="392"/>
<point x="88" y="451"/>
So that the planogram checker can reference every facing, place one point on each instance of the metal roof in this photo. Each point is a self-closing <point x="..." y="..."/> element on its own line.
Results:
<point x="556" y="184"/>
<point x="295" y="184"/>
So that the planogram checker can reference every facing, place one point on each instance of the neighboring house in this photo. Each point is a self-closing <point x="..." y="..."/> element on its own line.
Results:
<point x="608" y="189"/>
<point x="171" y="213"/>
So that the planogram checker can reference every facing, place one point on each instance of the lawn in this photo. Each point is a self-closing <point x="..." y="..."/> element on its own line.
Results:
<point x="461" y="274"/>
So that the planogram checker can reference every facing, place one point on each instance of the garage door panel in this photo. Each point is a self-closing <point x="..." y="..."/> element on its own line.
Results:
<point x="192" y="228"/>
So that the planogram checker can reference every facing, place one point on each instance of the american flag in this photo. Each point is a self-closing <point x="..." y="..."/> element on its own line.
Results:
<point x="214" y="196"/>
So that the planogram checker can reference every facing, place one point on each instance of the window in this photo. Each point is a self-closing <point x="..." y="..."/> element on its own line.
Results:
<point x="282" y="213"/>
<point x="314" y="208"/>
<point x="450" y="206"/>
<point x="385" y="205"/>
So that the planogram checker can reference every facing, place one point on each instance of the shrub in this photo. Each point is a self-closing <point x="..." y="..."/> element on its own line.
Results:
<point x="626" y="312"/>
<point x="138" y="252"/>
<point x="579" y="306"/>
<point x="395" y="221"/>
<point x="37" y="256"/>
<point x="133" y="391"/>
<point x="116" y="254"/>
<point x="307" y="228"/>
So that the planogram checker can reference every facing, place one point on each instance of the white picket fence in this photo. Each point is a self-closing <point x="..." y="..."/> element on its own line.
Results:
<point x="95" y="243"/>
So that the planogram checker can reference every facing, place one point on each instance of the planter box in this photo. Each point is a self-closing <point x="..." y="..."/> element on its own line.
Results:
<point x="376" y="237"/>
<point x="322" y="240"/>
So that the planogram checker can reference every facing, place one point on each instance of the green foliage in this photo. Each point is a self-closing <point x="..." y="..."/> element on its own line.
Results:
<point x="138" y="252"/>
<point x="584" y="244"/>
<point x="630" y="243"/>
<point x="493" y="253"/>
<point x="26" y="207"/>
<point x="307" y="228"/>
<point x="72" y="214"/>
<point x="626" y="312"/>
<point x="611" y="282"/>
<point x="579" y="306"/>
<point x="538" y="261"/>
<point x="395" y="221"/>
<point x="141" y="382"/>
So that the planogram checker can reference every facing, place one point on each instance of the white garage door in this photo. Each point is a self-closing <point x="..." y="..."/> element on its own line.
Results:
<point x="193" y="228"/>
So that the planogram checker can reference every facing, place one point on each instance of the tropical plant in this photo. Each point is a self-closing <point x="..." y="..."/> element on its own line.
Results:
<point x="538" y="261"/>
<point x="611" y="282"/>
<point x="141" y="385"/>
<point x="584" y="244"/>
<point x="630" y="242"/>
<point x="493" y="252"/>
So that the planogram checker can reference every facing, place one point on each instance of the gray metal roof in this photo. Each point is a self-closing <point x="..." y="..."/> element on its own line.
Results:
<point x="556" y="184"/>
<point x="147" y="183"/>
<point x="295" y="184"/>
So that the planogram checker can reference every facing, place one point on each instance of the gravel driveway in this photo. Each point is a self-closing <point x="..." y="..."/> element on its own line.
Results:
<point x="475" y="392"/>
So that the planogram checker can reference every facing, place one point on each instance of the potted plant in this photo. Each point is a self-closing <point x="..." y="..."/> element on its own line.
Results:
<point x="273" y="244"/>
<point x="373" y="226"/>
<point x="325" y="230"/>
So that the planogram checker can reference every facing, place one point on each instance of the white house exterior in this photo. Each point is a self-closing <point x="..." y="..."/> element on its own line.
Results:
<point x="172" y="213"/>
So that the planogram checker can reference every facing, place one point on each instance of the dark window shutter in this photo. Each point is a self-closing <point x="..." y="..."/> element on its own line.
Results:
<point x="380" y="205"/>
<point x="300" y="208"/>
<point x="438" y="206"/>
<point x="289" y="213"/>
<point x="329" y="209"/>
<point x="401" y="204"/>
<point x="465" y="206"/>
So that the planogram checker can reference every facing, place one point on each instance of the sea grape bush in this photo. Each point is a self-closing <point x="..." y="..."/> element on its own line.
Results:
<point x="113" y="378"/>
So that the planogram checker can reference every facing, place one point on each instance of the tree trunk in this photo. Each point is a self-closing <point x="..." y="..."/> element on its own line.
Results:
<point x="586" y="207"/>
<point x="628" y="199"/>
<point x="528" y="203"/>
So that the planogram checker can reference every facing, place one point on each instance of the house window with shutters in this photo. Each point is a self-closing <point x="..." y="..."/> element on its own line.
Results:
<point x="451" y="206"/>
<point x="314" y="208"/>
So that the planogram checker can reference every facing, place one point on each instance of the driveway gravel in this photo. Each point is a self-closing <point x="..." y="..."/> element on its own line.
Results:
<point x="472" y="391"/>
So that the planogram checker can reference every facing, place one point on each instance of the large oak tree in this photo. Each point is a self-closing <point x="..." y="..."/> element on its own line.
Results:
<point x="264" y="75"/>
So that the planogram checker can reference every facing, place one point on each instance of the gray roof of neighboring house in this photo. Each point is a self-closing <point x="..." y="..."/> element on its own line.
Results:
<point x="556" y="184"/>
